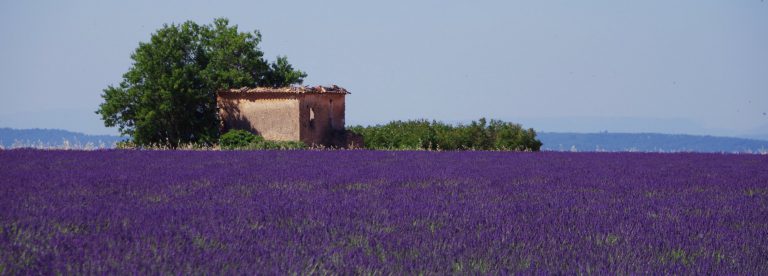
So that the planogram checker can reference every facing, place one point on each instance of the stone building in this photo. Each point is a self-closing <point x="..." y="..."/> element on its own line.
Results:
<point x="313" y="115"/>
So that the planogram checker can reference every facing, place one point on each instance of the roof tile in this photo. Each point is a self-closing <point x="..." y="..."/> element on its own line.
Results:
<point x="292" y="89"/>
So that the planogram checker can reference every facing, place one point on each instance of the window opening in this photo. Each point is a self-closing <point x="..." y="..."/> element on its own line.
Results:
<point x="330" y="115"/>
<point x="311" y="117"/>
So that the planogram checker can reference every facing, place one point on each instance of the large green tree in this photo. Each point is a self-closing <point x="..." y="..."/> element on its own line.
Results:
<point x="168" y="96"/>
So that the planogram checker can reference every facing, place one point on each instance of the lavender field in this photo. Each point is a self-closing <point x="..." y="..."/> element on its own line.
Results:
<point x="378" y="212"/>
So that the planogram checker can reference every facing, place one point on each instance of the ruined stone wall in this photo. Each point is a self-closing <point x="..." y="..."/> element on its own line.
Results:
<point x="321" y="118"/>
<point x="273" y="116"/>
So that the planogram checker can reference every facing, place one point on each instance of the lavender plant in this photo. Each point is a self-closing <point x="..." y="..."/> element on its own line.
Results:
<point x="379" y="212"/>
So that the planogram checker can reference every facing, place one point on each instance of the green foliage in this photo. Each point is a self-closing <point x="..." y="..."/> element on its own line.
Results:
<point x="235" y="139"/>
<point x="244" y="140"/>
<point x="189" y="146"/>
<point x="281" y="73"/>
<point x="168" y="97"/>
<point x="423" y="134"/>
<point x="276" y="145"/>
<point x="125" y="145"/>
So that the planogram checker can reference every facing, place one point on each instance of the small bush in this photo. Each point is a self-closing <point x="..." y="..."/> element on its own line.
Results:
<point x="237" y="139"/>
<point x="280" y="145"/>
<point x="125" y="144"/>
<point x="244" y="140"/>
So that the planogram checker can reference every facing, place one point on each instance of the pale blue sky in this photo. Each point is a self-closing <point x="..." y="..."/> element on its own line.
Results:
<point x="683" y="66"/>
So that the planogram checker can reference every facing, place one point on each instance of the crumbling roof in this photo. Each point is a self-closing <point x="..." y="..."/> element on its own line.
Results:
<point x="292" y="89"/>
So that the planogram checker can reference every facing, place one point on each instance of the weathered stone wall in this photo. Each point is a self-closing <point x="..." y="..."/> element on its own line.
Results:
<point x="321" y="119"/>
<point x="273" y="116"/>
<point x="313" y="118"/>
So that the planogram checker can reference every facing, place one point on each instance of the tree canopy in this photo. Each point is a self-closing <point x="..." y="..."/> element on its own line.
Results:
<point x="168" y="95"/>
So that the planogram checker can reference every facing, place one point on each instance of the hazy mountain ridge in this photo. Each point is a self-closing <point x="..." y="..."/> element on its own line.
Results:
<point x="648" y="142"/>
<point x="54" y="138"/>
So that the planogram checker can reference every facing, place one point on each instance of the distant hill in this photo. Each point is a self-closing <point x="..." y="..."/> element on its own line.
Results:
<point x="647" y="142"/>
<point x="53" y="138"/>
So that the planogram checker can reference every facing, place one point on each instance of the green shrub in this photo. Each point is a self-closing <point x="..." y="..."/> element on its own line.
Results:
<point x="125" y="144"/>
<point x="434" y="135"/>
<point x="277" y="145"/>
<point x="244" y="140"/>
<point x="237" y="139"/>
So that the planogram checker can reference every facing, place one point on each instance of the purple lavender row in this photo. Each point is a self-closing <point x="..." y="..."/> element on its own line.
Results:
<point x="277" y="212"/>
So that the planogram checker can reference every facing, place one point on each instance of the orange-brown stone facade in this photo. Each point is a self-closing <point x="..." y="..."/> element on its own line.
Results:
<point x="313" y="115"/>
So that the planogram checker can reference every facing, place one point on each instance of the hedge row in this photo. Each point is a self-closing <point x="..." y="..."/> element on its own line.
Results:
<point x="241" y="139"/>
<point x="435" y="135"/>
